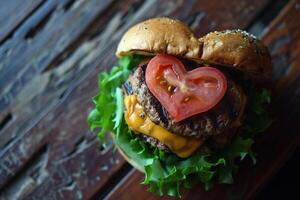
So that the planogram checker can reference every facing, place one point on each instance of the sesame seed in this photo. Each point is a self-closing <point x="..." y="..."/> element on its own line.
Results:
<point x="187" y="99"/>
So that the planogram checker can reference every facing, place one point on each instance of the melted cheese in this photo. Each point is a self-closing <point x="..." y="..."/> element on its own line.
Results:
<point x="140" y="123"/>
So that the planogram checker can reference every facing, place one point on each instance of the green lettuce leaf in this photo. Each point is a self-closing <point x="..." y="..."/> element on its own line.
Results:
<point x="108" y="113"/>
<point x="166" y="173"/>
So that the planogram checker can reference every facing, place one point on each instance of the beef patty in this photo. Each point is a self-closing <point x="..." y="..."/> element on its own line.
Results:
<point x="210" y="123"/>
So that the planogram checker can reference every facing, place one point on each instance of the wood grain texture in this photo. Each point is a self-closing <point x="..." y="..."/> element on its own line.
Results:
<point x="276" y="145"/>
<point x="13" y="13"/>
<point x="68" y="149"/>
<point x="39" y="40"/>
<point x="45" y="148"/>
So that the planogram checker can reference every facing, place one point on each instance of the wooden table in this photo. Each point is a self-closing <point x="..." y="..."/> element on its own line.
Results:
<point x="50" y="54"/>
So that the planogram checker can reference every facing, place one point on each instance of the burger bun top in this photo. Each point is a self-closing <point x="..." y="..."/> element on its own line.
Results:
<point x="231" y="48"/>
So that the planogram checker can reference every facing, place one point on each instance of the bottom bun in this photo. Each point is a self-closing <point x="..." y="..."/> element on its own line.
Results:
<point x="130" y="161"/>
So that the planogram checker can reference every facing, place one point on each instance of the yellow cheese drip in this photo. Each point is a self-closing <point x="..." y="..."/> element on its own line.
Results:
<point x="140" y="123"/>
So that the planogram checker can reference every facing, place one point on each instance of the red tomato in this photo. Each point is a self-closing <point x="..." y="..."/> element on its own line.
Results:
<point x="184" y="93"/>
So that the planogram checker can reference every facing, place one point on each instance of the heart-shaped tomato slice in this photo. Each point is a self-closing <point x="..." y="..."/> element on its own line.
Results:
<point x="184" y="93"/>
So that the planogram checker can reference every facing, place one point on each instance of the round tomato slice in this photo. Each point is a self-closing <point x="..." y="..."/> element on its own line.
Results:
<point x="184" y="93"/>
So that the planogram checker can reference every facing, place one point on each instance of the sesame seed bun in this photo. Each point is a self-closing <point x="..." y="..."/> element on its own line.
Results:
<point x="160" y="35"/>
<point x="232" y="48"/>
<point x="238" y="49"/>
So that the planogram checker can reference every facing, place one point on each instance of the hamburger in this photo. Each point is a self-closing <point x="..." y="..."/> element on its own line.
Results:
<point x="181" y="109"/>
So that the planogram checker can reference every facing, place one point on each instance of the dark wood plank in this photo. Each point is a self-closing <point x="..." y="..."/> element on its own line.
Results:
<point x="66" y="170"/>
<point x="126" y="189"/>
<point x="276" y="145"/>
<point x="47" y="43"/>
<point x="40" y="39"/>
<point x="58" y="134"/>
<point x="13" y="13"/>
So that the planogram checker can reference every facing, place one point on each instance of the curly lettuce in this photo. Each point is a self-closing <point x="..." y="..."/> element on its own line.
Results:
<point x="165" y="173"/>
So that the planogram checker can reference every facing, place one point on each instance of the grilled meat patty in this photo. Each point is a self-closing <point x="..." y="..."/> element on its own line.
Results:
<point x="216" y="126"/>
<point x="212" y="122"/>
<point x="154" y="142"/>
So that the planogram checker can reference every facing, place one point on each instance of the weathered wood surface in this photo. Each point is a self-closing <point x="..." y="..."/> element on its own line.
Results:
<point x="21" y="9"/>
<point x="275" y="146"/>
<point x="48" y="74"/>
